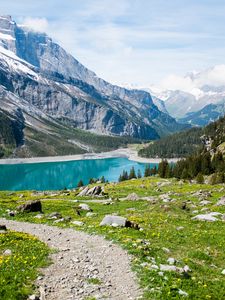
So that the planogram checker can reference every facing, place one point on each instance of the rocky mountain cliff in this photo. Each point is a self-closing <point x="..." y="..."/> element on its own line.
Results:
<point x="48" y="82"/>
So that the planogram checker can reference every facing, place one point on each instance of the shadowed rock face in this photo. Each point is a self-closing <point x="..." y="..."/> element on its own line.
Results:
<point x="63" y="88"/>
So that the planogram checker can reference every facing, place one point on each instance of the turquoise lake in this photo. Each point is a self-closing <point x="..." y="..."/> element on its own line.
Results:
<point x="60" y="175"/>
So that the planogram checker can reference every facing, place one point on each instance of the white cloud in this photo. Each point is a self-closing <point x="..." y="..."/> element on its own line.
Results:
<point x="174" y="82"/>
<point x="194" y="81"/>
<point x="36" y="24"/>
<point x="214" y="76"/>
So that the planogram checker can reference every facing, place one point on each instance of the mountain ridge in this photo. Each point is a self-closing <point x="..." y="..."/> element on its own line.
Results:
<point x="77" y="91"/>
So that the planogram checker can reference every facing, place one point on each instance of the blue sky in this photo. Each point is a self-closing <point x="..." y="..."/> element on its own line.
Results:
<point x="131" y="41"/>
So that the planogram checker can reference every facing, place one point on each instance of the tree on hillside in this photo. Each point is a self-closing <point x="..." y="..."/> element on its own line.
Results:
<point x="123" y="176"/>
<point x="139" y="175"/>
<point x="147" y="172"/>
<point x="102" y="179"/>
<point x="200" y="178"/>
<point x="132" y="173"/>
<point x="163" y="165"/>
<point x="80" y="184"/>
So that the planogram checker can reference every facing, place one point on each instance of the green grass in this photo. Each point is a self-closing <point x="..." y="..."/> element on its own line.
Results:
<point x="19" y="270"/>
<point x="200" y="245"/>
<point x="94" y="281"/>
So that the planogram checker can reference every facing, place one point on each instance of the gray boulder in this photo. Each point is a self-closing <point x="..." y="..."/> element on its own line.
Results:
<point x="84" y="191"/>
<point x="114" y="221"/>
<point x="31" y="206"/>
<point x="210" y="217"/>
<point x="55" y="215"/>
<point x="77" y="223"/>
<point x="221" y="202"/>
<point x="95" y="191"/>
<point x="3" y="228"/>
<point x="84" y="206"/>
<point x="133" y="197"/>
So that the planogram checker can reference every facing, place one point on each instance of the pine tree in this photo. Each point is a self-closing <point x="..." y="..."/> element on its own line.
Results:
<point x="102" y="179"/>
<point x="163" y="165"/>
<point x="147" y="172"/>
<point x="206" y="163"/>
<point x="120" y="178"/>
<point x="92" y="180"/>
<point x="139" y="175"/>
<point x="80" y="184"/>
<point x="154" y="170"/>
<point x="132" y="173"/>
<point x="125" y="175"/>
<point x="184" y="174"/>
<point x="200" y="178"/>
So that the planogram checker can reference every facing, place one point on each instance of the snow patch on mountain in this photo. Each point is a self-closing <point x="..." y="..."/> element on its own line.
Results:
<point x="15" y="63"/>
<point x="4" y="36"/>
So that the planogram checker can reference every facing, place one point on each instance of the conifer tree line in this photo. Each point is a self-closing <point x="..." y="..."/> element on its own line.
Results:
<point x="132" y="174"/>
<point x="192" y="167"/>
<point x="195" y="166"/>
<point x="92" y="180"/>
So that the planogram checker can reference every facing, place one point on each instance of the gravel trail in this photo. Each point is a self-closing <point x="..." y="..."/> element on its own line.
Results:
<point x="81" y="258"/>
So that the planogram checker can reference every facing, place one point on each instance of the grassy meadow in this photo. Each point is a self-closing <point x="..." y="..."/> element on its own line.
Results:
<point x="167" y="231"/>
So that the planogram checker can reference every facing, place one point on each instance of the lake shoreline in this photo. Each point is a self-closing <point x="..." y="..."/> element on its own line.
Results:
<point x="123" y="152"/>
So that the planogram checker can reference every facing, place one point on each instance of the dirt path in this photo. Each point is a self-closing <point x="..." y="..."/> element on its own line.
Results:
<point x="81" y="256"/>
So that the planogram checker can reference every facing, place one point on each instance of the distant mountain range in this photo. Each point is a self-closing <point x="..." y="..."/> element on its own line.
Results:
<point x="43" y="86"/>
<point x="199" y="101"/>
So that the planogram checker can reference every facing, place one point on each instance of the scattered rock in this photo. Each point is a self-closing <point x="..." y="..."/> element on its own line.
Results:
<point x="7" y="252"/>
<point x="182" y="293"/>
<point x="205" y="209"/>
<point x="31" y="206"/>
<point x="117" y="221"/>
<point x="131" y="209"/>
<point x="83" y="191"/>
<point x="133" y="197"/>
<point x="12" y="213"/>
<point x="39" y="216"/>
<point x="162" y="184"/>
<point x="3" y="228"/>
<point x="221" y="202"/>
<point x="165" y="198"/>
<point x="55" y="215"/>
<point x="186" y="269"/>
<point x="142" y="186"/>
<point x="172" y="268"/>
<point x="59" y="220"/>
<point x="90" y="214"/>
<point x="94" y="191"/>
<point x="166" y="250"/>
<point x="171" y="260"/>
<point x="169" y="268"/>
<point x="210" y="217"/>
<point x="34" y="297"/>
<point x="84" y="206"/>
<point x="78" y="223"/>
<point x="184" y="206"/>
<point x="154" y="267"/>
<point x="151" y="199"/>
<point x="179" y="228"/>
<point x="205" y="202"/>
<point x="109" y="220"/>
